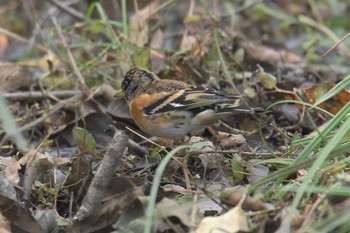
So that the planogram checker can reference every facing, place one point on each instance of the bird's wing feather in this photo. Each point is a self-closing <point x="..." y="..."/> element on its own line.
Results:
<point x="193" y="98"/>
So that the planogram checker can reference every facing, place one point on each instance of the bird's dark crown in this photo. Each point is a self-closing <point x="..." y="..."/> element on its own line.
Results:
<point x="134" y="79"/>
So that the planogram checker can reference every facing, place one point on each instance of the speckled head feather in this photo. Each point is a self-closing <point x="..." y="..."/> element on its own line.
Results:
<point x="136" y="80"/>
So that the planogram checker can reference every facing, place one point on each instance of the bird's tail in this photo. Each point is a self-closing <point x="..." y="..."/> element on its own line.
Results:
<point x="230" y="109"/>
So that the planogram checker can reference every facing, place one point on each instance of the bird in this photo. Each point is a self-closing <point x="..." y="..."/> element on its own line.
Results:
<point x="174" y="109"/>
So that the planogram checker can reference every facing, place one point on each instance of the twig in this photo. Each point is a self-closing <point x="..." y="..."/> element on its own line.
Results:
<point x="72" y="62"/>
<point x="33" y="95"/>
<point x="22" y="39"/>
<point x="103" y="176"/>
<point x="335" y="45"/>
<point x="279" y="130"/>
<point x="189" y="13"/>
<point x="47" y="114"/>
<point x="148" y="140"/>
<point x="65" y="7"/>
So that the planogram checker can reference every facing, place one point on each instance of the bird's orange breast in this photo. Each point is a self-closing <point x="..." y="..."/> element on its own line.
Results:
<point x="137" y="106"/>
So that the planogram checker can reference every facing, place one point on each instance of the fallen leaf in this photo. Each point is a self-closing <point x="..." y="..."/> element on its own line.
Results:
<point x="21" y="219"/>
<point x="235" y="220"/>
<point x="228" y="140"/>
<point x="266" y="54"/>
<point x="334" y="104"/>
<point x="13" y="76"/>
<point x="168" y="208"/>
<point x="232" y="196"/>
<point x="11" y="171"/>
<point x="138" y="24"/>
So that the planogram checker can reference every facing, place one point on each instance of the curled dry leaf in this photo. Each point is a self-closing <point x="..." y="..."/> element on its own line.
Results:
<point x="209" y="160"/>
<point x="266" y="54"/>
<point x="227" y="140"/>
<point x="235" y="220"/>
<point x="138" y="24"/>
<point x="119" y="210"/>
<point x="107" y="91"/>
<point x="20" y="218"/>
<point x="289" y="220"/>
<point x="11" y="171"/>
<point x="168" y="208"/>
<point x="5" y="226"/>
<point x="232" y="196"/>
<point x="13" y="76"/>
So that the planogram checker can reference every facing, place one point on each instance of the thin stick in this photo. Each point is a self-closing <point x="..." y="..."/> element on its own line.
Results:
<point x="335" y="45"/>
<point x="72" y="62"/>
<point x="32" y="95"/>
<point x="22" y="39"/>
<point x="66" y="8"/>
<point x="143" y="137"/>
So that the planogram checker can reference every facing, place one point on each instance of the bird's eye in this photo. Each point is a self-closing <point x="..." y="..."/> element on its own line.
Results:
<point x="125" y="84"/>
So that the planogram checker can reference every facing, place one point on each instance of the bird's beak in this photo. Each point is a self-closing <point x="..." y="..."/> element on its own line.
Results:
<point x="119" y="93"/>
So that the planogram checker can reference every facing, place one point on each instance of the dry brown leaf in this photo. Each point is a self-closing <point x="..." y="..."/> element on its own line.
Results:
<point x="332" y="105"/>
<point x="138" y="24"/>
<point x="11" y="172"/>
<point x="228" y="140"/>
<point x="232" y="196"/>
<point x="290" y="220"/>
<point x="235" y="220"/>
<point x="4" y="225"/>
<point x="13" y="76"/>
<point x="168" y="208"/>
<point x="19" y="217"/>
<point x="209" y="160"/>
<point x="270" y="55"/>
<point x="189" y="42"/>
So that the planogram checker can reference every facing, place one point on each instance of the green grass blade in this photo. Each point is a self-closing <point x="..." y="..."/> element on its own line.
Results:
<point x="335" y="90"/>
<point x="9" y="125"/>
<point x="156" y="182"/>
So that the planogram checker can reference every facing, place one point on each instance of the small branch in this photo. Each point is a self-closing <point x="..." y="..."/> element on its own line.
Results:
<point x="33" y="95"/>
<point x="99" y="184"/>
<point x="22" y="39"/>
<point x="65" y="7"/>
<point x="72" y="62"/>
<point x="335" y="45"/>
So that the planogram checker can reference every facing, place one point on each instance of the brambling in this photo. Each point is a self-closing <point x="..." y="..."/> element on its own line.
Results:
<point x="174" y="109"/>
